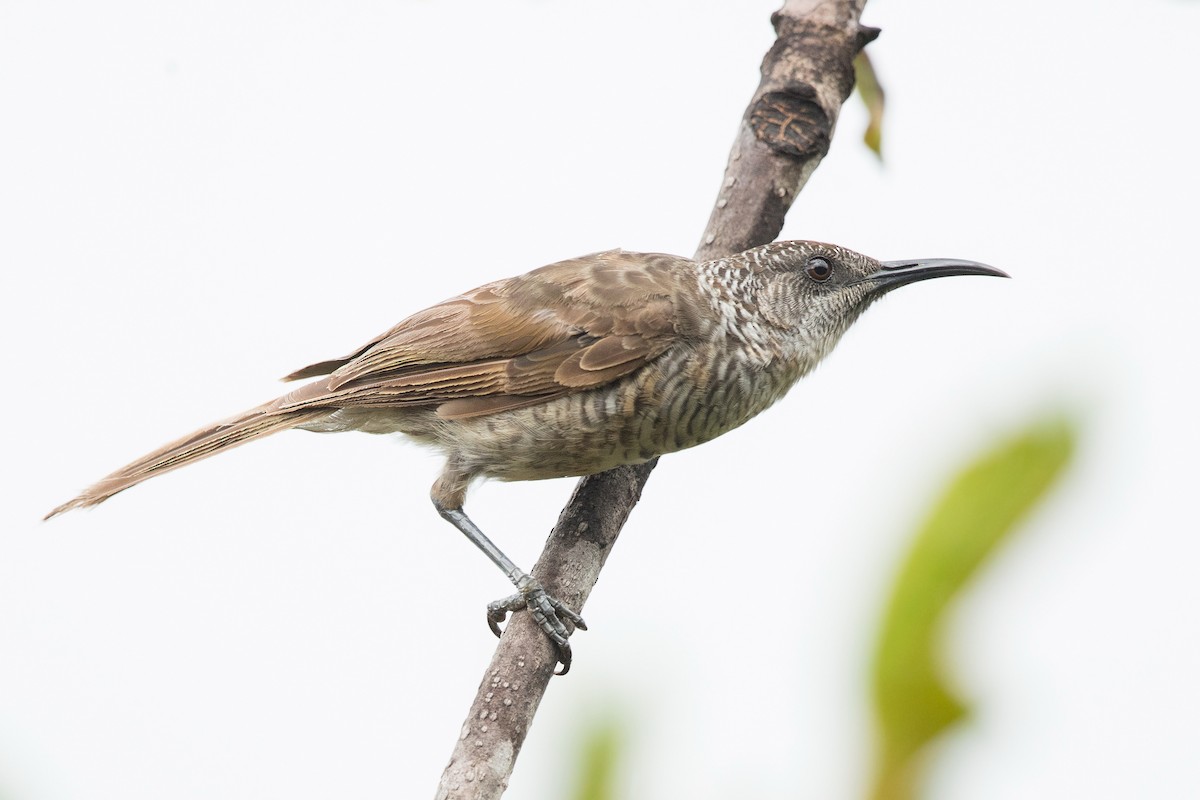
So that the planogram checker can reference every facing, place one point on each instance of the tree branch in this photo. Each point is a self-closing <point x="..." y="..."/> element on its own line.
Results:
<point x="806" y="76"/>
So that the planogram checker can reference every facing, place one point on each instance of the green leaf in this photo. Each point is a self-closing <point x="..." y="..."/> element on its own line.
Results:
<point x="597" y="772"/>
<point x="872" y="96"/>
<point x="979" y="509"/>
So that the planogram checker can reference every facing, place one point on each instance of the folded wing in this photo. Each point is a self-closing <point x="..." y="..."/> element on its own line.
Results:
<point x="568" y="327"/>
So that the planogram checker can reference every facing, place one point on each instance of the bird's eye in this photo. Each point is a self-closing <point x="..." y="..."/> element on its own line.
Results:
<point x="818" y="269"/>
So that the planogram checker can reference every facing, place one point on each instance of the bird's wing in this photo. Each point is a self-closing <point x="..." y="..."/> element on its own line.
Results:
<point x="566" y="327"/>
<point x="562" y="328"/>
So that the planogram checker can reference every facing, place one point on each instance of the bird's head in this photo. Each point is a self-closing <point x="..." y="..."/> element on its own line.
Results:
<point x="815" y="291"/>
<point x="824" y="287"/>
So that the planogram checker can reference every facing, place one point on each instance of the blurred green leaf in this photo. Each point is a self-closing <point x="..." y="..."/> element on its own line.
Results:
<point x="601" y="749"/>
<point x="872" y="96"/>
<point x="979" y="508"/>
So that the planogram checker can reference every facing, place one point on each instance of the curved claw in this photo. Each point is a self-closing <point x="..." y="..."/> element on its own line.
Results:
<point x="498" y="611"/>
<point x="564" y="657"/>
<point x="547" y="611"/>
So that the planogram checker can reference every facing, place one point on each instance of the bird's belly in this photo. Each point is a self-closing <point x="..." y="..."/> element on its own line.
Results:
<point x="672" y="404"/>
<point x="632" y="421"/>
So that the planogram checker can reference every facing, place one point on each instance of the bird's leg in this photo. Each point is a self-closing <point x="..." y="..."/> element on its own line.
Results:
<point x="547" y="611"/>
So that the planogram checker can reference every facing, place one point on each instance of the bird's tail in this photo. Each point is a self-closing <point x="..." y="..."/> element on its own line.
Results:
<point x="256" y="423"/>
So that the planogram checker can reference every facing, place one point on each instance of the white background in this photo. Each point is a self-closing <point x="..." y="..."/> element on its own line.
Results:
<point x="197" y="198"/>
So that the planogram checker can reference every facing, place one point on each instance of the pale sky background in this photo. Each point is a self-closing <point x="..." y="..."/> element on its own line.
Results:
<point x="198" y="198"/>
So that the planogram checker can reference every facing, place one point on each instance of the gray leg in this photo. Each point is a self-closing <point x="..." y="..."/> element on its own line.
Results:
<point x="548" y="612"/>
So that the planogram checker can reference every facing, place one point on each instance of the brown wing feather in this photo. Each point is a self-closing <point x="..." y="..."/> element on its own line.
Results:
<point x="566" y="327"/>
<point x="514" y="343"/>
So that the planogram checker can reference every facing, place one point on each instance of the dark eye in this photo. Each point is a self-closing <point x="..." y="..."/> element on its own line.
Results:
<point x="818" y="269"/>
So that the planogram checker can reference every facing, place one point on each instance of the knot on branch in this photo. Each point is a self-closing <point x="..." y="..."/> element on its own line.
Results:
<point x="791" y="122"/>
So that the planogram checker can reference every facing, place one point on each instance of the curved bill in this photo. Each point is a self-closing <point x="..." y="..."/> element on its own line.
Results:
<point x="898" y="273"/>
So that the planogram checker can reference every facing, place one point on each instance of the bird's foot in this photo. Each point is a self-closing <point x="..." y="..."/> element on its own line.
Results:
<point x="548" y="612"/>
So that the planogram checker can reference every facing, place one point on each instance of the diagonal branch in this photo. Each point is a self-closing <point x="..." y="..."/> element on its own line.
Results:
<point x="806" y="76"/>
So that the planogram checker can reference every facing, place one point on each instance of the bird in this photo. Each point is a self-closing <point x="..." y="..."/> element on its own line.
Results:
<point x="572" y="369"/>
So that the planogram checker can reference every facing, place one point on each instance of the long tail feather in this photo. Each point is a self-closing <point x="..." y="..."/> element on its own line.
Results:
<point x="253" y="424"/>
